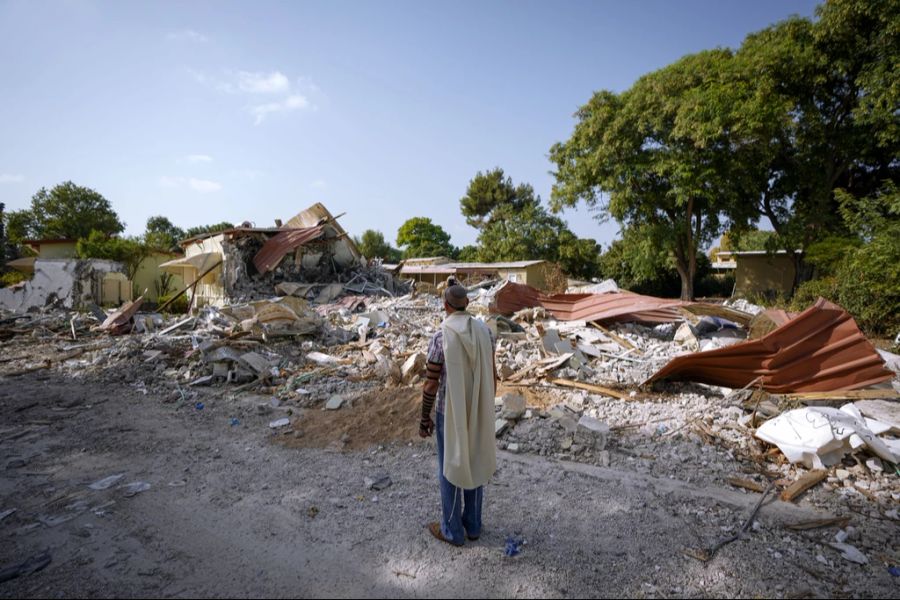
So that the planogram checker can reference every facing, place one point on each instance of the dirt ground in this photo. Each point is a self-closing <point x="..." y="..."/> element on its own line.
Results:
<point x="235" y="508"/>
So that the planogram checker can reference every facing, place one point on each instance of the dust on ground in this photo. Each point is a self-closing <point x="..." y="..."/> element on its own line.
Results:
<point x="376" y="417"/>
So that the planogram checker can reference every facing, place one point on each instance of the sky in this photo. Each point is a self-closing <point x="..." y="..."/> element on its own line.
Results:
<point x="251" y="111"/>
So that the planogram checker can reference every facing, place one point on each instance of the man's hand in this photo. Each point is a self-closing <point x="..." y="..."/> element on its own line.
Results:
<point x="426" y="427"/>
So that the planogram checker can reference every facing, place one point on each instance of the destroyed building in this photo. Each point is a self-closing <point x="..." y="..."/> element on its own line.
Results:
<point x="309" y="256"/>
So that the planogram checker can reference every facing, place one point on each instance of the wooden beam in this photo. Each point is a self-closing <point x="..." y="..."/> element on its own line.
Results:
<point x="747" y="484"/>
<point x="803" y="483"/>
<point x="845" y="395"/>
<point x="591" y="388"/>
<point x="618" y="339"/>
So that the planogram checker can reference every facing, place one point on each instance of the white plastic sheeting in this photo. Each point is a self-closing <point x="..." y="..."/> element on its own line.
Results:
<point x="819" y="436"/>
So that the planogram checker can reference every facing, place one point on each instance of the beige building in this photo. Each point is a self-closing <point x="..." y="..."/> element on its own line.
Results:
<point x="759" y="272"/>
<point x="115" y="288"/>
<point x="434" y="270"/>
<point x="216" y="265"/>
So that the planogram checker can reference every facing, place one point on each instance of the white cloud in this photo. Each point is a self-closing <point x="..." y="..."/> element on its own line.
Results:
<point x="8" y="178"/>
<point x="294" y="102"/>
<point x="204" y="186"/>
<point x="319" y="184"/>
<point x="188" y="35"/>
<point x="198" y="158"/>
<point x="263" y="83"/>
<point x="274" y="83"/>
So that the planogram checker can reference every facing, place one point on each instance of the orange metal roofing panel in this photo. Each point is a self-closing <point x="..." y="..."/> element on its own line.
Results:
<point x="280" y="244"/>
<point x="822" y="349"/>
<point x="620" y="306"/>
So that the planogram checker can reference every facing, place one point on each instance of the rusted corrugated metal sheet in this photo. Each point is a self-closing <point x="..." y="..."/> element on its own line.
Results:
<point x="280" y="244"/>
<point x="513" y="297"/>
<point x="622" y="306"/>
<point x="821" y="349"/>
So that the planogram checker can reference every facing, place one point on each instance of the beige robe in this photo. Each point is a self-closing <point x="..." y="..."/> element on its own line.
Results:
<point x="470" y="457"/>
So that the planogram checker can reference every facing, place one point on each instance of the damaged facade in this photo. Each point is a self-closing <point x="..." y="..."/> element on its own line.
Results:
<point x="69" y="283"/>
<point x="304" y="257"/>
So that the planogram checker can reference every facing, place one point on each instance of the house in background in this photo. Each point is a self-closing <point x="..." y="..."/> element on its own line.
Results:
<point x="240" y="263"/>
<point x="757" y="272"/>
<point x="434" y="270"/>
<point x="111" y="290"/>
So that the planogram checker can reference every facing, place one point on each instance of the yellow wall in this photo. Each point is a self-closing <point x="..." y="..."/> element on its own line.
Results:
<point x="148" y="274"/>
<point x="758" y="274"/>
<point x="60" y="250"/>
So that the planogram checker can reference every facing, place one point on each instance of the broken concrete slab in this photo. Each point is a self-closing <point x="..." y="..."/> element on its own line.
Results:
<point x="592" y="432"/>
<point x="513" y="406"/>
<point x="334" y="403"/>
<point x="413" y="366"/>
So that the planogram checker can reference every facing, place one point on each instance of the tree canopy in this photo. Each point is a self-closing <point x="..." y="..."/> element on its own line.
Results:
<point x="422" y="238"/>
<point x="161" y="234"/>
<point x="720" y="139"/>
<point x="373" y="245"/>
<point x="67" y="211"/>
<point x="513" y="225"/>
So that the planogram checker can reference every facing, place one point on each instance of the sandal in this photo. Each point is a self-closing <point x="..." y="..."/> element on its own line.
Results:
<point x="435" y="530"/>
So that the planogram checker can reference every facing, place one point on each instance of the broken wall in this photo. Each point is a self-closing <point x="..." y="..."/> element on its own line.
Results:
<point x="65" y="282"/>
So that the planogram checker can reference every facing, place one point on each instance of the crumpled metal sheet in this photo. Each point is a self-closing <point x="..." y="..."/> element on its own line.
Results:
<point x="622" y="306"/>
<point x="280" y="244"/>
<point x="821" y="349"/>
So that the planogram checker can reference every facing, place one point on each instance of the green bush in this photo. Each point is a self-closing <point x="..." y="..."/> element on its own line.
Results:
<point x="12" y="278"/>
<point x="810" y="291"/>
<point x="179" y="306"/>
<point x="869" y="283"/>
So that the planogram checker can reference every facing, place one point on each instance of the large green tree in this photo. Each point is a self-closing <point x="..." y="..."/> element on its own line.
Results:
<point x="162" y="234"/>
<point x="662" y="158"/>
<point x="823" y="116"/>
<point x="373" y="245"/>
<point x="513" y="225"/>
<point x="422" y="238"/>
<point x="67" y="211"/>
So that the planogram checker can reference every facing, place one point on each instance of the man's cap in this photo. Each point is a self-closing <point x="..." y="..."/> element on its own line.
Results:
<point x="457" y="297"/>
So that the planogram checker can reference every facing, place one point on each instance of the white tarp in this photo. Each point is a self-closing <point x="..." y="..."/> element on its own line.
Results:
<point x="819" y="436"/>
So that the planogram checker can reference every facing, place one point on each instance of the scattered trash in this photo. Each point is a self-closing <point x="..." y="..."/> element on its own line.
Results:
<point x="280" y="423"/>
<point x="106" y="482"/>
<point x="378" y="484"/>
<point x="234" y="421"/>
<point x="199" y="406"/>
<point x="513" y="546"/>
<point x="135" y="488"/>
<point x="850" y="553"/>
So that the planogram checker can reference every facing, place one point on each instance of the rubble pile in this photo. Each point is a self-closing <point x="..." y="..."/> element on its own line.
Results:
<point x="797" y="413"/>
<point x="311" y="273"/>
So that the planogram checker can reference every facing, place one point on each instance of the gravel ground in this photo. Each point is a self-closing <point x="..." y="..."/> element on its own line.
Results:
<point x="231" y="511"/>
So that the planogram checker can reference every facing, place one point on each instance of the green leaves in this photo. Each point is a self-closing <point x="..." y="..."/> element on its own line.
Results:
<point x="423" y="238"/>
<point x="69" y="211"/>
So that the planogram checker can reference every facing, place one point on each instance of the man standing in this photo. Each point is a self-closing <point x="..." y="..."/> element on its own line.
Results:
<point x="461" y="377"/>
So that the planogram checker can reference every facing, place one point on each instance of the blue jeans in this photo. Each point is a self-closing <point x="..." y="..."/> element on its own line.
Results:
<point x="461" y="509"/>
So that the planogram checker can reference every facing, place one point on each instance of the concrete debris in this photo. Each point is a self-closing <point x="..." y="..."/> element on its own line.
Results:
<point x="819" y="436"/>
<point x="513" y="406"/>
<point x="334" y="403"/>
<point x="309" y="335"/>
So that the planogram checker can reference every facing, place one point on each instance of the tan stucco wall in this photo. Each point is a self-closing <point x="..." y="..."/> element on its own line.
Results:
<point x="760" y="274"/>
<point x="61" y="250"/>
<point x="148" y="274"/>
